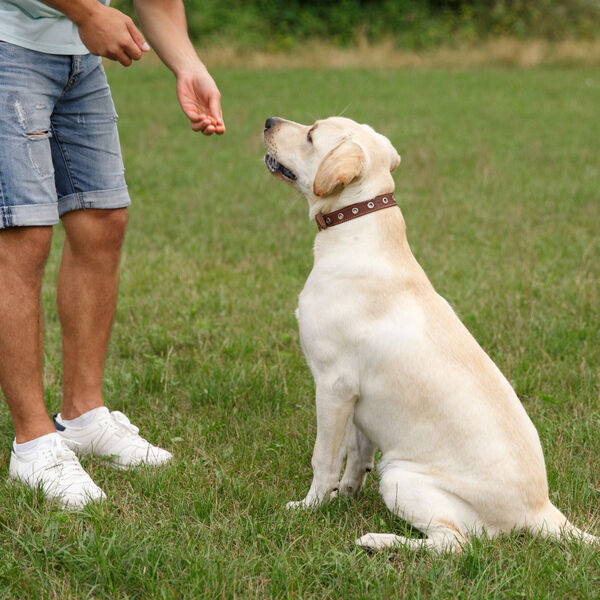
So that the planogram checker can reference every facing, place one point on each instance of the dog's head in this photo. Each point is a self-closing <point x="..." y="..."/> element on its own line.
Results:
<point x="335" y="161"/>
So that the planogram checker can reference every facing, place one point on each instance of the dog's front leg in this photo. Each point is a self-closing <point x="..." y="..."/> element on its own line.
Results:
<point x="333" y="412"/>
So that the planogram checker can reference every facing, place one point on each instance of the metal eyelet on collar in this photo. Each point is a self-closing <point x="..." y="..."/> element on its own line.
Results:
<point x="356" y="210"/>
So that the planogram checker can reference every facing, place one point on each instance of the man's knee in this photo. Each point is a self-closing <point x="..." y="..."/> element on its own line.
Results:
<point x="24" y="250"/>
<point x="96" y="232"/>
<point x="113" y="224"/>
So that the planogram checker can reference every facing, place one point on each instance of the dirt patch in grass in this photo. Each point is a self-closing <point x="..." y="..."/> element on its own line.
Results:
<point x="500" y="52"/>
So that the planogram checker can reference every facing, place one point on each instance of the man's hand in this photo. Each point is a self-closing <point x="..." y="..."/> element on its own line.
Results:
<point x="164" y="22"/>
<point x="108" y="32"/>
<point x="200" y="100"/>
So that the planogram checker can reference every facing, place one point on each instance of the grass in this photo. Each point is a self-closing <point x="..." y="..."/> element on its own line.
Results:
<point x="499" y="186"/>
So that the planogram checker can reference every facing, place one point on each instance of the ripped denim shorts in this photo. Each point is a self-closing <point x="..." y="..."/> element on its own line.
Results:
<point x="59" y="145"/>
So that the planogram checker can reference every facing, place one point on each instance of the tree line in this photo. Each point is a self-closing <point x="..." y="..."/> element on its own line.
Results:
<point x="280" y="24"/>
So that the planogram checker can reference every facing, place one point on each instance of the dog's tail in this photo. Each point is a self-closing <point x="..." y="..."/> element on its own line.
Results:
<point x="551" y="523"/>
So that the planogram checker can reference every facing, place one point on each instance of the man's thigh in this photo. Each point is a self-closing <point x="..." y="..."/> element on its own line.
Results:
<point x="30" y="83"/>
<point x="86" y="151"/>
<point x="59" y="145"/>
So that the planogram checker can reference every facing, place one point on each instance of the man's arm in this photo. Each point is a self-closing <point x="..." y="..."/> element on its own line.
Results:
<point x="105" y="31"/>
<point x="108" y="32"/>
<point x="164" y="22"/>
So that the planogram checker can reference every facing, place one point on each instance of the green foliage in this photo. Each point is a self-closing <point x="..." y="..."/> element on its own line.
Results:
<point x="279" y="24"/>
<point x="499" y="187"/>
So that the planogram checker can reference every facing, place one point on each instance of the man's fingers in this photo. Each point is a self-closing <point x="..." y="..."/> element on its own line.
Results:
<point x="108" y="32"/>
<point x="214" y="105"/>
<point x="125" y="50"/>
<point x="204" y="127"/>
<point x="202" y="124"/>
<point x="200" y="100"/>
<point x="137" y="37"/>
<point x="132" y="44"/>
<point x="122" y="57"/>
<point x="208" y="125"/>
<point x="133" y="51"/>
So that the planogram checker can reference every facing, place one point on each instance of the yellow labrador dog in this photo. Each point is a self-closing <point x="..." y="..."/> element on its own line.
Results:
<point x="394" y="367"/>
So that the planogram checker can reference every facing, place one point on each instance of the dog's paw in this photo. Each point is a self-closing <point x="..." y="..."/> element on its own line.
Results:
<point x="310" y="502"/>
<point x="378" y="541"/>
<point x="353" y="480"/>
<point x="349" y="488"/>
<point x="367" y="542"/>
<point x="297" y="505"/>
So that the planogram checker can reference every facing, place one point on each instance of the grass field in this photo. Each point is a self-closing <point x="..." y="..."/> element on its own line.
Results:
<point x="500" y="188"/>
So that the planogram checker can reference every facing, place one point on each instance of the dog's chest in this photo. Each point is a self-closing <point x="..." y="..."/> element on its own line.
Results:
<point x="328" y="316"/>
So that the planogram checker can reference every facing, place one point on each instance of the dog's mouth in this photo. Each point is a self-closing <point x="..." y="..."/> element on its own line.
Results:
<point x="276" y="167"/>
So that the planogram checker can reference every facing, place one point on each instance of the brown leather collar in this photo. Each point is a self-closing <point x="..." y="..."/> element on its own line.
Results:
<point x="354" y="211"/>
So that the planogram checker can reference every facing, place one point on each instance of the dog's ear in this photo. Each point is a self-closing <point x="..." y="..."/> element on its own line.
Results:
<point x="392" y="153"/>
<point x="395" y="159"/>
<point x="343" y="165"/>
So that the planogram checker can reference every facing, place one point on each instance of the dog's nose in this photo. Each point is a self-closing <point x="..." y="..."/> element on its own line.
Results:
<point x="270" y="122"/>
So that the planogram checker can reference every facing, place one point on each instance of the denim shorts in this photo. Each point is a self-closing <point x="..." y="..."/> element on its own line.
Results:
<point x="59" y="145"/>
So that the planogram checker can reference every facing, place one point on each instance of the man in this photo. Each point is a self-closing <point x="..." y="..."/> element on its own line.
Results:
<point x="60" y="158"/>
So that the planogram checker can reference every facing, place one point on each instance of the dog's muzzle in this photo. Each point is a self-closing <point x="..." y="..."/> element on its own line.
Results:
<point x="276" y="167"/>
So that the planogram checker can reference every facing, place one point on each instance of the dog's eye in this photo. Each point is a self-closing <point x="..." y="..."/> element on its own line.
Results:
<point x="309" y="136"/>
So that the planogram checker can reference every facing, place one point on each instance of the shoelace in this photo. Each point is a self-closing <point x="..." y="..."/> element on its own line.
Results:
<point x="65" y="460"/>
<point x="122" y="420"/>
<point x="132" y="432"/>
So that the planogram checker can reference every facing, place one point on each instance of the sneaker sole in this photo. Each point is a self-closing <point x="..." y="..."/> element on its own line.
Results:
<point x="15" y="481"/>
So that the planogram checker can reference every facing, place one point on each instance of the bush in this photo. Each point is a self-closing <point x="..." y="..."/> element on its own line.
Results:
<point x="279" y="24"/>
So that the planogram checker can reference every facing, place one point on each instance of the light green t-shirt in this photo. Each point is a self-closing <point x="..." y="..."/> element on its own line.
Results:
<point x="35" y="25"/>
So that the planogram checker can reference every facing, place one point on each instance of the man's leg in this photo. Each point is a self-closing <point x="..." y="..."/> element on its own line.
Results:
<point x="87" y="296"/>
<point x="23" y="255"/>
<point x="92" y="196"/>
<point x="31" y="82"/>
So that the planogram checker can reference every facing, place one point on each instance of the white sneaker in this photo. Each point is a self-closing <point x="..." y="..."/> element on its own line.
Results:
<point x="53" y="466"/>
<point x="111" y="435"/>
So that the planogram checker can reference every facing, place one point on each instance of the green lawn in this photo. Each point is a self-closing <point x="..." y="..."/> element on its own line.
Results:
<point x="500" y="188"/>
